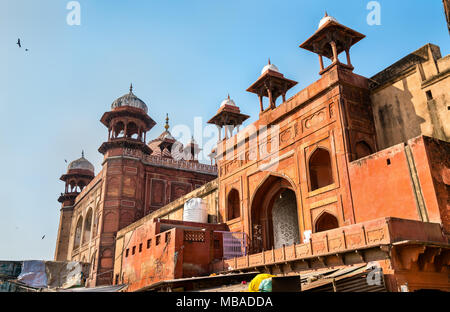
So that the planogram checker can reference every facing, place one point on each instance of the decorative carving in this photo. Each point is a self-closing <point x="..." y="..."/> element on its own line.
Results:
<point x="296" y="129"/>
<point x="319" y="247"/>
<point x="315" y="119"/>
<point x="180" y="164"/>
<point x="285" y="135"/>
<point x="179" y="189"/>
<point x="354" y="239"/>
<point x="194" y="236"/>
<point x="158" y="192"/>
<point x="336" y="243"/>
<point x="375" y="235"/>
<point x="302" y="250"/>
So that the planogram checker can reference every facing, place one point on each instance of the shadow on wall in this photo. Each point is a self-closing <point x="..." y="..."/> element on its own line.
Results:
<point x="396" y="119"/>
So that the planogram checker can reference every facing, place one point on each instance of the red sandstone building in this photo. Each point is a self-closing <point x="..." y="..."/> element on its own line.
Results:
<point x="136" y="179"/>
<point x="348" y="171"/>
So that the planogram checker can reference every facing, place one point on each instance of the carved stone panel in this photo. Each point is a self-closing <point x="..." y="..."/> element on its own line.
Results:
<point x="178" y="189"/>
<point x="158" y="192"/>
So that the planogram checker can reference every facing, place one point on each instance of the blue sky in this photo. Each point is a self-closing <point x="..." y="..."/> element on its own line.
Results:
<point x="183" y="58"/>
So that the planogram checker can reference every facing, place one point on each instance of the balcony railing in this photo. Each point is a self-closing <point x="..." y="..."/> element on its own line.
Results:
<point x="354" y="237"/>
<point x="172" y="163"/>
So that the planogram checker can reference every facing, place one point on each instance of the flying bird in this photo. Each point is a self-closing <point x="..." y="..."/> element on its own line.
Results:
<point x="26" y="49"/>
<point x="43" y="237"/>
<point x="18" y="43"/>
<point x="65" y="160"/>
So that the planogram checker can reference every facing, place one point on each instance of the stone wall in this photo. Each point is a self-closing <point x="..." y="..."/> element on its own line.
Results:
<point x="410" y="98"/>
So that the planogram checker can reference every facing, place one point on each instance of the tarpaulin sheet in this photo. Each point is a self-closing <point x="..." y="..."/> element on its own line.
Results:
<point x="66" y="274"/>
<point x="33" y="274"/>
<point x="43" y="274"/>
<point x="10" y="268"/>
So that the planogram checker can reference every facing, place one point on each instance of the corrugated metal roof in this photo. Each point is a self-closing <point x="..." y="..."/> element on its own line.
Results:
<point x="113" y="288"/>
<point x="351" y="279"/>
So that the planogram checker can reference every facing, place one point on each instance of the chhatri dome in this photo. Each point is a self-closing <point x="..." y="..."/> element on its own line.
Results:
<point x="228" y="101"/>
<point x="81" y="163"/>
<point x="271" y="67"/>
<point x="130" y="100"/>
<point x="327" y="18"/>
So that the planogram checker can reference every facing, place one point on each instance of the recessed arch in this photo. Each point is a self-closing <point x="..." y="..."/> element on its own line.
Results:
<point x="118" y="129"/>
<point x="87" y="226"/>
<point x="233" y="205"/>
<point x="132" y="130"/>
<point x="273" y="213"/>
<point x="77" y="236"/>
<point x="320" y="169"/>
<point x="92" y="262"/>
<point x="325" y="222"/>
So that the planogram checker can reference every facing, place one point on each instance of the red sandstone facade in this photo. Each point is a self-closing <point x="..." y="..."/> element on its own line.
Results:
<point x="309" y="186"/>
<point x="136" y="178"/>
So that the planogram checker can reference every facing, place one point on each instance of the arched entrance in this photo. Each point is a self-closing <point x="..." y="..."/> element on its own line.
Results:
<point x="274" y="215"/>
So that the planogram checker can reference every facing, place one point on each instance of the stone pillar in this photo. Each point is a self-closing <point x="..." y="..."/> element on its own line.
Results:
<point x="334" y="48"/>
<point x="271" y="104"/>
<point x="321" y="62"/>
<point x="261" y="102"/>
<point x="347" y="53"/>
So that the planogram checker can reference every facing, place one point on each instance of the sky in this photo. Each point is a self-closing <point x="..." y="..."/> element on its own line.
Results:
<point x="183" y="58"/>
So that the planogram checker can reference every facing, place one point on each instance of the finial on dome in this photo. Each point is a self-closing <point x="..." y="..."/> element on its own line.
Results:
<point x="167" y="122"/>
<point x="326" y="14"/>
<point x="269" y="61"/>
<point x="82" y="153"/>
<point x="228" y="95"/>
<point x="131" y="87"/>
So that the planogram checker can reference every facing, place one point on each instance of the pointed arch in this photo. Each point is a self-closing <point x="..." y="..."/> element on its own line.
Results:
<point x="233" y="205"/>
<point x="87" y="226"/>
<point x="132" y="130"/>
<point x="118" y="129"/>
<point x="326" y="221"/>
<point x="273" y="213"/>
<point x="77" y="236"/>
<point x="320" y="169"/>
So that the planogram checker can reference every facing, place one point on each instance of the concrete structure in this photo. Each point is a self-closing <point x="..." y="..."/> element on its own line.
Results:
<point x="347" y="171"/>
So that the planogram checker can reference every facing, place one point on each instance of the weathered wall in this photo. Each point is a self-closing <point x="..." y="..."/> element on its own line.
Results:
<point x="63" y="236"/>
<point x="433" y="166"/>
<point x="158" y="250"/>
<point x="88" y="200"/>
<point x="402" y="109"/>
<point x="408" y="181"/>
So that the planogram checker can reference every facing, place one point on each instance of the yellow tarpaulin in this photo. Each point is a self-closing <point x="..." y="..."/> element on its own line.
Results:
<point x="254" y="284"/>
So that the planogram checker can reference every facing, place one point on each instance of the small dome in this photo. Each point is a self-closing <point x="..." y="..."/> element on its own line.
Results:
<point x="166" y="135"/>
<point x="271" y="67"/>
<point x="227" y="101"/>
<point x="325" y="19"/>
<point x="130" y="100"/>
<point x="81" y="163"/>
